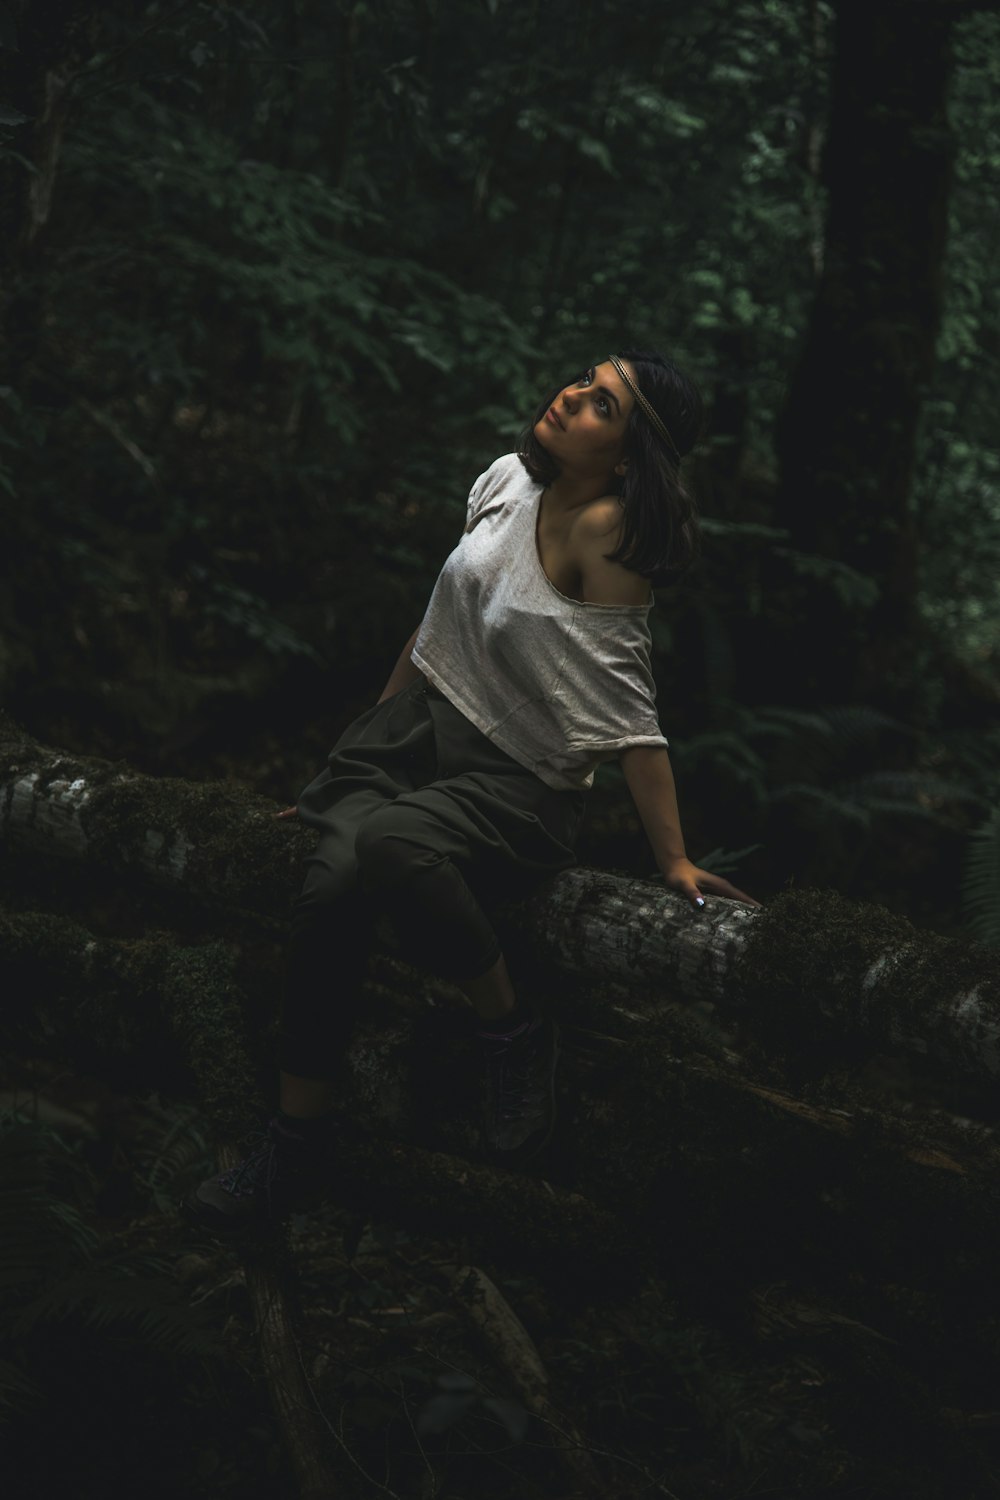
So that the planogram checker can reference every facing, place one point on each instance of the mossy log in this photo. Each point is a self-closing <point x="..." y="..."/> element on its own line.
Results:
<point x="214" y="840"/>
<point x="629" y="945"/>
<point x="148" y="1011"/>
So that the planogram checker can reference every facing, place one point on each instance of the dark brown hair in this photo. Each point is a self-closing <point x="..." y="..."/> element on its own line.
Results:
<point x="660" y="536"/>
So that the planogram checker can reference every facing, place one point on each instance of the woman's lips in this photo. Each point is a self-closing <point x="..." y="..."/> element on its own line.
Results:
<point x="550" y="416"/>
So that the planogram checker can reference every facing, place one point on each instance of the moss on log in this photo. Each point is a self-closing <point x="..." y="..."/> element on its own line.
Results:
<point x="214" y="840"/>
<point x="870" y="974"/>
<point x="143" y="1008"/>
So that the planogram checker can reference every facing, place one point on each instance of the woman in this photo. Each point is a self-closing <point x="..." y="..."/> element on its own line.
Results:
<point x="468" y="778"/>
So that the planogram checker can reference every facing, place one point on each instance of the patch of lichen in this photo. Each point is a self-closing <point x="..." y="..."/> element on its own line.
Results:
<point x="21" y="756"/>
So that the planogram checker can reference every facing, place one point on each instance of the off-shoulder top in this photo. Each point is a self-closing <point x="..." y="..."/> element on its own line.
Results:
<point x="558" y="684"/>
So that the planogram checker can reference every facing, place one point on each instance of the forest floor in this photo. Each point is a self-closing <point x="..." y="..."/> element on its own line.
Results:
<point x="680" y="1388"/>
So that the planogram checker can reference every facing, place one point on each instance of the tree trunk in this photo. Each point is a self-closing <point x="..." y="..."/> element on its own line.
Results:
<point x="52" y="46"/>
<point x="847" y="439"/>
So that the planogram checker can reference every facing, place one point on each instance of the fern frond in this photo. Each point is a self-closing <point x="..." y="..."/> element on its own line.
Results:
<point x="725" y="748"/>
<point x="785" y="723"/>
<point x="111" y="1297"/>
<point x="726" y="861"/>
<point x="183" y="1147"/>
<point x="17" y="1390"/>
<point x="981" y="882"/>
<point x="823" y="799"/>
<point x="857" y="725"/>
<point x="44" y="1185"/>
<point x="853" y="589"/>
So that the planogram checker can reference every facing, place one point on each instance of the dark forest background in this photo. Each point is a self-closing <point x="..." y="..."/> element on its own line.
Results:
<point x="278" y="283"/>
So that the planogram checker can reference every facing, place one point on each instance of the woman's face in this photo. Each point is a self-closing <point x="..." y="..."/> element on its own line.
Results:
<point x="584" y="428"/>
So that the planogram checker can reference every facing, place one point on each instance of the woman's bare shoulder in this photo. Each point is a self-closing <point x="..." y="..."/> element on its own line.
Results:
<point x="596" y="533"/>
<point x="599" y="520"/>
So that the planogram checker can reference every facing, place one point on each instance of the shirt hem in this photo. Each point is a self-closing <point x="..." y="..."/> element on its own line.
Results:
<point x="607" y="746"/>
<point x="557" y="781"/>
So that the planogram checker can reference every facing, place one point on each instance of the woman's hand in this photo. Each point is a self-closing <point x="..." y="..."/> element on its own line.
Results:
<point x="681" y="875"/>
<point x="289" y="812"/>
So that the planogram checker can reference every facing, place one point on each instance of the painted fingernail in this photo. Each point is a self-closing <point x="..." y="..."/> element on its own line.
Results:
<point x="699" y="901"/>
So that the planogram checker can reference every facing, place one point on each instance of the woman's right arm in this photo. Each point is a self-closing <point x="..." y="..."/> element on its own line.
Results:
<point x="403" y="672"/>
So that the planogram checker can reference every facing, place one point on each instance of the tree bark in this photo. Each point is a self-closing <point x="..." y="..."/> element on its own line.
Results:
<point x="847" y="439"/>
<point x="52" y="47"/>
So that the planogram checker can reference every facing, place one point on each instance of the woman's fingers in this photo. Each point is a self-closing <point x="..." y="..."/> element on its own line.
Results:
<point x="289" y="812"/>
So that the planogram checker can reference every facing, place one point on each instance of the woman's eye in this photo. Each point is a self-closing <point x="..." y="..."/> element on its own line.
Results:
<point x="586" y="377"/>
<point x="603" y="406"/>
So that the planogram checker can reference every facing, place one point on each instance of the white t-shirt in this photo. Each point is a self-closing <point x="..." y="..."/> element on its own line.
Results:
<point x="557" y="684"/>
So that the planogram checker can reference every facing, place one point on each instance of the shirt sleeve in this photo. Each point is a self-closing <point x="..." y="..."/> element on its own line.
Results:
<point x="614" y="700"/>
<point x="478" y="496"/>
<point x="487" y="486"/>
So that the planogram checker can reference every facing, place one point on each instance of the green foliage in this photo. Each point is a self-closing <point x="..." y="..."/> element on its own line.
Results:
<point x="820" y="771"/>
<point x="176" y="1151"/>
<point x="251" y="617"/>
<point x="854" y="590"/>
<point x="981" y="881"/>
<point x="726" y="861"/>
<point x="306" y="274"/>
<point x="957" y="482"/>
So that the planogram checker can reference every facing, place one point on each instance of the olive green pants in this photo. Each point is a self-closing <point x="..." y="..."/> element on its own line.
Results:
<point x="423" y="819"/>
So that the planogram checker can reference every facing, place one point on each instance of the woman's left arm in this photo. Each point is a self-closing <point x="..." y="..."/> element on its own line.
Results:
<point x="650" y="780"/>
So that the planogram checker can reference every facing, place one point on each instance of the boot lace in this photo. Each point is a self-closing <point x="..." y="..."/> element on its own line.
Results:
<point x="256" y="1170"/>
<point x="516" y="1091"/>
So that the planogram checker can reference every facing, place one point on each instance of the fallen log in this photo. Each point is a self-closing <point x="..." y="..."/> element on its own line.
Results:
<point x="660" y="1152"/>
<point x="142" y="1011"/>
<point x="213" y="840"/>
<point x="625" y="943"/>
<point x="155" y="1014"/>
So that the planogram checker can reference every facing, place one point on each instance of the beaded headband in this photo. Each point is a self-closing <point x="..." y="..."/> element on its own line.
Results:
<point x="644" y="404"/>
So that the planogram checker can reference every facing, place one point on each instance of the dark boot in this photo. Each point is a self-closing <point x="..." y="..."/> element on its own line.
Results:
<point x="520" y="1089"/>
<point x="286" y="1170"/>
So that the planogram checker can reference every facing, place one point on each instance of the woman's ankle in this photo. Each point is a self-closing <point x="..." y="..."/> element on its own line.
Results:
<point x="492" y="994"/>
<point x="302" y="1128"/>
